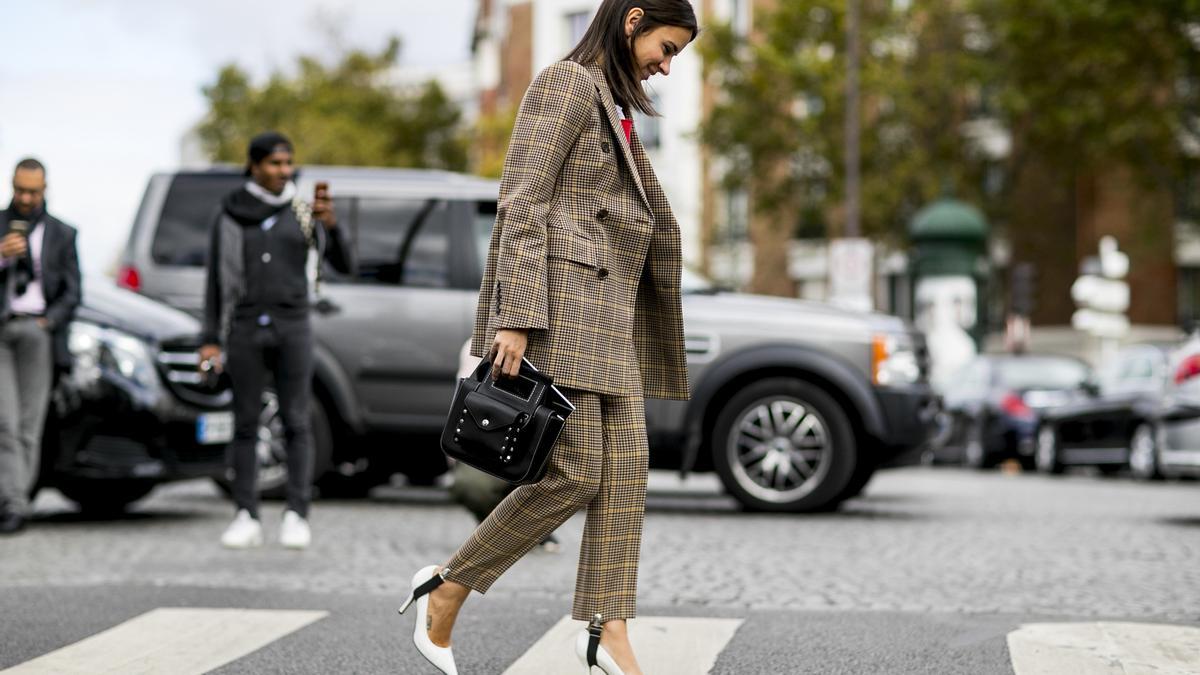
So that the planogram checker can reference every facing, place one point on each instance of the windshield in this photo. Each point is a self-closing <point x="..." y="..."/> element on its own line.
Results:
<point x="1042" y="373"/>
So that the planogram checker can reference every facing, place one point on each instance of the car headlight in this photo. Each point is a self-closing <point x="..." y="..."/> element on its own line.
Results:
<point x="97" y="349"/>
<point x="894" y="360"/>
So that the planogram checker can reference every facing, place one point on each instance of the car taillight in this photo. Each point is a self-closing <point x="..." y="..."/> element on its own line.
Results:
<point x="128" y="277"/>
<point x="1189" y="368"/>
<point x="1014" y="406"/>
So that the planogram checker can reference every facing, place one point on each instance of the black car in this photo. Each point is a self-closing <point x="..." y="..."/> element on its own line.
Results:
<point x="134" y="411"/>
<point x="1099" y="428"/>
<point x="993" y="406"/>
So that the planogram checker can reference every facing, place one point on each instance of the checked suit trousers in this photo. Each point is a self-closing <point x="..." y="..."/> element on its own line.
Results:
<point x="600" y="463"/>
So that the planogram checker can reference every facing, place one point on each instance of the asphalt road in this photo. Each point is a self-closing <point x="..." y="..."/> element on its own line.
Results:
<point x="930" y="571"/>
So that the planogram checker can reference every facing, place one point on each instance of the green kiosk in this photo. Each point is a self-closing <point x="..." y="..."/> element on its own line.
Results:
<point x="948" y="266"/>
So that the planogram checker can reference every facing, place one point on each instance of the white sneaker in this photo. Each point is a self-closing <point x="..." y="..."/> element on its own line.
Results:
<point x="243" y="532"/>
<point x="294" y="532"/>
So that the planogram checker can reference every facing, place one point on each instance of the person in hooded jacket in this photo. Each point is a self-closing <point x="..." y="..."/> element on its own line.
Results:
<point x="261" y="278"/>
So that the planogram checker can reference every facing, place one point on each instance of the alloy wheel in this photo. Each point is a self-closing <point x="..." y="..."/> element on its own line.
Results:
<point x="1143" y="450"/>
<point x="779" y="449"/>
<point x="271" y="445"/>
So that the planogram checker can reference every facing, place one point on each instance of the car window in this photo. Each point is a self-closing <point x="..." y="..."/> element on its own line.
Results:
<point x="481" y="230"/>
<point x="1042" y="373"/>
<point x="971" y="382"/>
<point x="403" y="242"/>
<point x="181" y="237"/>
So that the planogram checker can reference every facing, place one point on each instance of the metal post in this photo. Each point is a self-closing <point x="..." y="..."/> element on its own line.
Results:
<point x="852" y="124"/>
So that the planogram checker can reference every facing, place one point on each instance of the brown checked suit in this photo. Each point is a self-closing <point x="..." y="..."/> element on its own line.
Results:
<point x="585" y="255"/>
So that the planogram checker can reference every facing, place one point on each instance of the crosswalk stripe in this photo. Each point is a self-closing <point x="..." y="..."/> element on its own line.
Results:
<point x="174" y="641"/>
<point x="1102" y="648"/>
<point x="663" y="645"/>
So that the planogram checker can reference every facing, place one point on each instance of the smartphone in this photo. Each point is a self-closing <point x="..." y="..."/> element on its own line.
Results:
<point x="320" y="190"/>
<point x="20" y="227"/>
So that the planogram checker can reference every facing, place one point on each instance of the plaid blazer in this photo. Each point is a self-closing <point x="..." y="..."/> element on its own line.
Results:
<point x="585" y="252"/>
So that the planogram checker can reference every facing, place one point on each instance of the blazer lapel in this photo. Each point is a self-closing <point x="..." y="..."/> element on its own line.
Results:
<point x="48" y="240"/>
<point x="614" y="122"/>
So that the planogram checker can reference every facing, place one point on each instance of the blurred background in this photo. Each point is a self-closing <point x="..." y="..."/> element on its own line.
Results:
<point x="996" y="143"/>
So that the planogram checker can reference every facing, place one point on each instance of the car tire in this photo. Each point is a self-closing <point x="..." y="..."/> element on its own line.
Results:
<point x="1143" y="453"/>
<point x="1046" y="454"/>
<point x="104" y="497"/>
<point x="863" y="473"/>
<point x="764" y="412"/>
<point x="272" y="448"/>
<point x="975" y="454"/>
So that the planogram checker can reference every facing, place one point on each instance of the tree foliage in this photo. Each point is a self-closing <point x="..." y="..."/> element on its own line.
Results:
<point x="1092" y="82"/>
<point x="347" y="113"/>
<point x="1086" y="83"/>
<point x="783" y="105"/>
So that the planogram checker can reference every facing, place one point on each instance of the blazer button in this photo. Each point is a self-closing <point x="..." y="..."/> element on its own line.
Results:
<point x="602" y="273"/>
<point x="604" y="146"/>
<point x="602" y="214"/>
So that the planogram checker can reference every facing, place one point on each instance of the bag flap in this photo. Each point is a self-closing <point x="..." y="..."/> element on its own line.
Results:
<point x="489" y="414"/>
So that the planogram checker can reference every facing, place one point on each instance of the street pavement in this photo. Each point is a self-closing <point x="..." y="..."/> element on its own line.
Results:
<point x="930" y="571"/>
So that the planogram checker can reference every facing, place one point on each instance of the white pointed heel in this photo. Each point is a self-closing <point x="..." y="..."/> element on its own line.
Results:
<point x="589" y="651"/>
<point x="423" y="583"/>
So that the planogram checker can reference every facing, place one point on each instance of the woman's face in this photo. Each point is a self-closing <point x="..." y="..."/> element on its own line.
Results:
<point x="653" y="51"/>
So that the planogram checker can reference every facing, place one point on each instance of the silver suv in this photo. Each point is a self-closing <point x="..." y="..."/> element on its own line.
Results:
<point x="794" y="404"/>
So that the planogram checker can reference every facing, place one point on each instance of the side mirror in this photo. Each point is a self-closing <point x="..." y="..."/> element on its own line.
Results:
<point x="1090" y="387"/>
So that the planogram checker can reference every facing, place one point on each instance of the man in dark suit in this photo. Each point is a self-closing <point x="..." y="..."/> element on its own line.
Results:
<point x="39" y="291"/>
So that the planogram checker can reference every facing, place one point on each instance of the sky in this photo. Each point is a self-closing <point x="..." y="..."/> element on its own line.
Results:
<point x="104" y="92"/>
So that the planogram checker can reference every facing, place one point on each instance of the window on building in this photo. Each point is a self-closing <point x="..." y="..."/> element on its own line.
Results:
<point x="737" y="206"/>
<point x="739" y="17"/>
<point x="649" y="129"/>
<point x="1188" y="299"/>
<point x="577" y="23"/>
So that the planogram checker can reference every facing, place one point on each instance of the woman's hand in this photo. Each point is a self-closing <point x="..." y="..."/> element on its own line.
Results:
<point x="507" y="350"/>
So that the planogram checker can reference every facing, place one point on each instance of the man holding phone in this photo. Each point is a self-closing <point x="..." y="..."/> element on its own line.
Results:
<point x="39" y="291"/>
<point x="265" y="253"/>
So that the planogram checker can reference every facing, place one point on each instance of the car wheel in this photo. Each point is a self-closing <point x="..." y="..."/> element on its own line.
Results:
<point x="271" y="447"/>
<point x="104" y="497"/>
<point x="1143" y="453"/>
<point x="782" y="444"/>
<point x="1045" y="456"/>
<point x="858" y="483"/>
<point x="975" y="454"/>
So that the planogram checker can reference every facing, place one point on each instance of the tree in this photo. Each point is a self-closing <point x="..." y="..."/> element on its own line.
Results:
<point x="347" y="113"/>
<point x="779" y="122"/>
<point x="1100" y="96"/>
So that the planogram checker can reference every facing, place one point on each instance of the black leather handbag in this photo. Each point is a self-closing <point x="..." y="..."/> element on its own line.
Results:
<point x="506" y="427"/>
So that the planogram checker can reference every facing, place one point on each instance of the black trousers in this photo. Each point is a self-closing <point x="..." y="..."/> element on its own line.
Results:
<point x="282" y="349"/>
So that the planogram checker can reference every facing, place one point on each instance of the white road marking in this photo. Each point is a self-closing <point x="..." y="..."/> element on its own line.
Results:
<point x="666" y="645"/>
<point x="171" y="641"/>
<point x="1103" y="648"/>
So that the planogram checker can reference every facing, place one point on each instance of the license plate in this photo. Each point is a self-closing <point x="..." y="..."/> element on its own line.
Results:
<point x="213" y="428"/>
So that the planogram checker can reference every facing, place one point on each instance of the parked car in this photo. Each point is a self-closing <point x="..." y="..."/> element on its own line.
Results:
<point x="1117" y="411"/>
<point x="1168" y="443"/>
<point x="133" y="412"/>
<point x="794" y="404"/>
<point x="993" y="405"/>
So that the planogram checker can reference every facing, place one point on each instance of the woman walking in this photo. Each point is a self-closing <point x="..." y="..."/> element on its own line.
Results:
<point x="582" y="278"/>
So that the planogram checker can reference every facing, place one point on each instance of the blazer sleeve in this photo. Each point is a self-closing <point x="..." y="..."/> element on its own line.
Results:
<point x="62" y="309"/>
<point x="553" y="114"/>
<point x="211" y="333"/>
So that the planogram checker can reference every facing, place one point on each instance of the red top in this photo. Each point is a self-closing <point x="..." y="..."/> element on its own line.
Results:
<point x="627" y="125"/>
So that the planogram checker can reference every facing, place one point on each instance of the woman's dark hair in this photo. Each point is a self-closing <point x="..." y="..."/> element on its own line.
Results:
<point x="605" y="42"/>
